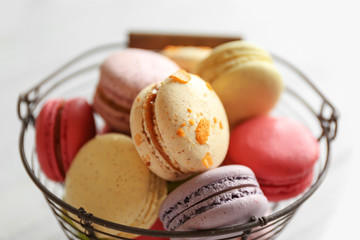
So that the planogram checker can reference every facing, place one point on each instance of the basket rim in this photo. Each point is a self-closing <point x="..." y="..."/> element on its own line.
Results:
<point x="28" y="102"/>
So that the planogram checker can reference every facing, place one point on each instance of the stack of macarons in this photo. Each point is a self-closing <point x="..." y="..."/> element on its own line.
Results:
<point x="208" y="131"/>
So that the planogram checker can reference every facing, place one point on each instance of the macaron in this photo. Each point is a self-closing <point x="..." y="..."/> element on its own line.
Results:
<point x="157" y="226"/>
<point x="179" y="127"/>
<point x="62" y="127"/>
<point x="281" y="152"/>
<point x="109" y="180"/>
<point x="220" y="197"/>
<point x="245" y="78"/>
<point x="122" y="76"/>
<point x="187" y="57"/>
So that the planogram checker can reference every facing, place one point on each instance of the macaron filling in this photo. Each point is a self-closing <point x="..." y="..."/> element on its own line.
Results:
<point x="109" y="102"/>
<point x="207" y="197"/>
<point x="57" y="139"/>
<point x="149" y="122"/>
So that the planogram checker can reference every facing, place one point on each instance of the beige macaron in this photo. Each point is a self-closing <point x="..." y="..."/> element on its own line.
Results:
<point x="245" y="78"/>
<point x="187" y="57"/>
<point x="109" y="180"/>
<point x="179" y="127"/>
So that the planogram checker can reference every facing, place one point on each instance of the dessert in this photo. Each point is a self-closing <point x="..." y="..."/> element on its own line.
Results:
<point x="211" y="199"/>
<point x="122" y="76"/>
<point x="157" y="226"/>
<point x="281" y="152"/>
<point x="108" y="179"/>
<point x="180" y="133"/>
<point x="62" y="127"/>
<point x="244" y="77"/>
<point x="179" y="127"/>
<point x="187" y="57"/>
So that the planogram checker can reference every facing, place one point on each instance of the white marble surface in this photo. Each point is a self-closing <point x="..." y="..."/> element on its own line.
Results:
<point x="321" y="37"/>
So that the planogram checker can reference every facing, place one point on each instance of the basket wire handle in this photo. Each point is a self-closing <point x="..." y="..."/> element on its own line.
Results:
<point x="32" y="96"/>
<point x="85" y="221"/>
<point x="328" y="124"/>
<point x="28" y="101"/>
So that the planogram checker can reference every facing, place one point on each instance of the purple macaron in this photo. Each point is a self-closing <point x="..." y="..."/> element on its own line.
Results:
<point x="221" y="197"/>
<point x="122" y="76"/>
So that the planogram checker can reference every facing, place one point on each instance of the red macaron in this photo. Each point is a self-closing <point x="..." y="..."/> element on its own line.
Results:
<point x="156" y="226"/>
<point x="281" y="152"/>
<point x="62" y="127"/>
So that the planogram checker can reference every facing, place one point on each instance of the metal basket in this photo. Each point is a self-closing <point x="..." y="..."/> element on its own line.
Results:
<point x="79" y="76"/>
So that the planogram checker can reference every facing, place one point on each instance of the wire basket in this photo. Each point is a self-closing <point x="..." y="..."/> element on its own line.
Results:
<point x="79" y="77"/>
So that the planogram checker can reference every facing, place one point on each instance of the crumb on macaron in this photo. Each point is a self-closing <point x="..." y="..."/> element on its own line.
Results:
<point x="181" y="76"/>
<point x="202" y="131"/>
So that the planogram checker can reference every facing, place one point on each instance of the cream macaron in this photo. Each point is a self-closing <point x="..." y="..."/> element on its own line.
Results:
<point x="108" y="179"/>
<point x="179" y="127"/>
<point x="187" y="57"/>
<point x="245" y="78"/>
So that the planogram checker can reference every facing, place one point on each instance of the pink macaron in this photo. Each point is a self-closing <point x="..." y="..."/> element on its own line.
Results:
<point x="281" y="151"/>
<point x="122" y="76"/>
<point x="62" y="127"/>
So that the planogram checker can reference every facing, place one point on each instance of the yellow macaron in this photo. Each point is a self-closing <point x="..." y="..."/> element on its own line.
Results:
<point x="109" y="180"/>
<point x="244" y="77"/>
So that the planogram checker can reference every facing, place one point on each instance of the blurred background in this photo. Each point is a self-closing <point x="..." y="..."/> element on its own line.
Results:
<point x="320" y="37"/>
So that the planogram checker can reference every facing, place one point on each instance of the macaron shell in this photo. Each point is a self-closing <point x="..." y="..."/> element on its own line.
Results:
<point x="281" y="151"/>
<point x="45" y="144"/>
<point x="202" y="180"/>
<point x="157" y="226"/>
<point x="245" y="78"/>
<point x="147" y="151"/>
<point x="176" y="106"/>
<point x="248" y="89"/>
<point x="224" y="215"/>
<point x="125" y="73"/>
<point x="230" y="54"/>
<point x="277" y="192"/>
<point x="180" y="109"/>
<point x="118" y="120"/>
<point x="190" y="201"/>
<point x="122" y="76"/>
<point x="107" y="171"/>
<point x="77" y="127"/>
<point x="187" y="57"/>
<point x="237" y="45"/>
<point x="226" y="64"/>
<point x="277" y="147"/>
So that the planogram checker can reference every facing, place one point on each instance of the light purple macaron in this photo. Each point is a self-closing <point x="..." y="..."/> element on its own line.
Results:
<point x="122" y="76"/>
<point x="221" y="197"/>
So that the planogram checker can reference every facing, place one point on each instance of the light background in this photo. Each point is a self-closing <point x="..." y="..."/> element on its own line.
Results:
<point x="321" y="37"/>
